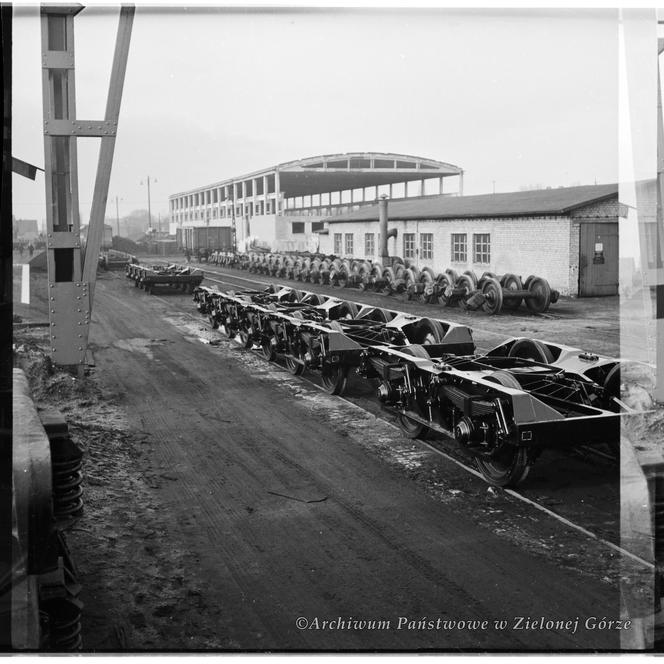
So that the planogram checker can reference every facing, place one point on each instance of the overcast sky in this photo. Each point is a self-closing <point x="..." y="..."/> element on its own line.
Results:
<point x="519" y="97"/>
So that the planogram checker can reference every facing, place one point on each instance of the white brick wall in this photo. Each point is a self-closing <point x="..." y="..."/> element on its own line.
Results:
<point x="545" y="246"/>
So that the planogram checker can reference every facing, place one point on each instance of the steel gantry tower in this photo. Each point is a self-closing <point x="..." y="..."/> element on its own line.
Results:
<point x="72" y="269"/>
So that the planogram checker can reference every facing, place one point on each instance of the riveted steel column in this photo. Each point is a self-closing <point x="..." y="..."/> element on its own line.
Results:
<point x="71" y="282"/>
<point x="68" y="297"/>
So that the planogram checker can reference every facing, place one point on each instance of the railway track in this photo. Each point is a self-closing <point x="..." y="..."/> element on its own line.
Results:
<point x="583" y="501"/>
<point x="578" y="517"/>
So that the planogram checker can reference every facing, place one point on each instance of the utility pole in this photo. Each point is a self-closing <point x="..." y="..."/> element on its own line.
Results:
<point x="117" y="215"/>
<point x="149" y="206"/>
<point x="149" y="211"/>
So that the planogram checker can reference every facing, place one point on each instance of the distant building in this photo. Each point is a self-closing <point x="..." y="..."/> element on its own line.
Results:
<point x="568" y="235"/>
<point x="25" y="230"/>
<point x="283" y="207"/>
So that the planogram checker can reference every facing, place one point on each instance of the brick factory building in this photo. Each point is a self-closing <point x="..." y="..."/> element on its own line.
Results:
<point x="282" y="208"/>
<point x="567" y="235"/>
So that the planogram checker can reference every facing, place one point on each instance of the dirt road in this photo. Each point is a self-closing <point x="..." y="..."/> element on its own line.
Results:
<point x="239" y="498"/>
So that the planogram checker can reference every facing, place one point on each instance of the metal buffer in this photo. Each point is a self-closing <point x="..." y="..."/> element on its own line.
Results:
<point x="71" y="271"/>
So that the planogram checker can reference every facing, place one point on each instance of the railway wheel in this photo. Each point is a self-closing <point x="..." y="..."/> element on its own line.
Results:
<point x="467" y="285"/>
<point x="388" y="278"/>
<point x="347" y="310"/>
<point x="452" y="275"/>
<point x="443" y="284"/>
<point x="412" y="428"/>
<point x="246" y="337"/>
<point x="313" y="299"/>
<point x="508" y="467"/>
<point x="472" y="276"/>
<point x="540" y="295"/>
<point x="511" y="282"/>
<point x="531" y="349"/>
<point x="213" y="322"/>
<point x="427" y="332"/>
<point x="493" y="296"/>
<point x="335" y="378"/>
<point x="269" y="350"/>
<point x="295" y="367"/>
<point x="416" y="350"/>
<point x="377" y="314"/>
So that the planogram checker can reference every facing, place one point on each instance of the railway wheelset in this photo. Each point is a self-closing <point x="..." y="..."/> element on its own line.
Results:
<point x="490" y="292"/>
<point x="503" y="407"/>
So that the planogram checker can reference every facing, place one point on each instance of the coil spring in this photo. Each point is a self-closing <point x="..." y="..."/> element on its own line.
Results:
<point x="67" y="463"/>
<point x="61" y="624"/>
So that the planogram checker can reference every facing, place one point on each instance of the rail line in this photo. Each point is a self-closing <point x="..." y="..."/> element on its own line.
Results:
<point x="267" y="283"/>
<point x="512" y="492"/>
<point x="467" y="468"/>
<point x="621" y="333"/>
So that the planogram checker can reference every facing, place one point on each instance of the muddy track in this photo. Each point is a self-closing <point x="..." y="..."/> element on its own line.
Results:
<point x="579" y="485"/>
<point x="281" y="501"/>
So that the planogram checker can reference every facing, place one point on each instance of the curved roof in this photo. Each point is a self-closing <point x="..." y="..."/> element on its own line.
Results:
<point x="518" y="203"/>
<point x="342" y="171"/>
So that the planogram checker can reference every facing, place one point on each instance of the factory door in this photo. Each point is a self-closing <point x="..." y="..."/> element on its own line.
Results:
<point x="598" y="258"/>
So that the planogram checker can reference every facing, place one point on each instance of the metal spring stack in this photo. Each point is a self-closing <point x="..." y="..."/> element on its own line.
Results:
<point x="66" y="463"/>
<point x="61" y="609"/>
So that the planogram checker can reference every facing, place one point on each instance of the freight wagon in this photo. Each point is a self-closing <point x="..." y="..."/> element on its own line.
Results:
<point x="212" y="238"/>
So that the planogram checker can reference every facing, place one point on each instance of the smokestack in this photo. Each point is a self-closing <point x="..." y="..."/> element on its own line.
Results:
<point x="382" y="228"/>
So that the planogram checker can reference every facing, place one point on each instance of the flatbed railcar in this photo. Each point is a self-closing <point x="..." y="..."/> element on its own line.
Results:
<point x="181" y="277"/>
<point x="503" y="407"/>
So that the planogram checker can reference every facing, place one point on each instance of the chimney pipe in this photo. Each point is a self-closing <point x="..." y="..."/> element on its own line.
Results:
<point x="382" y="228"/>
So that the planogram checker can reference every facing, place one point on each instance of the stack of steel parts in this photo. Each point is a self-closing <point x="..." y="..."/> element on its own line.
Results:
<point x="47" y="499"/>
<point x="503" y="407"/>
<point x="115" y="260"/>
<point x="490" y="292"/>
<point x="149" y="277"/>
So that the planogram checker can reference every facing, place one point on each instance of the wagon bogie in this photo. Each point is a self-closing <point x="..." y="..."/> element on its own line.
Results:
<point x="502" y="408"/>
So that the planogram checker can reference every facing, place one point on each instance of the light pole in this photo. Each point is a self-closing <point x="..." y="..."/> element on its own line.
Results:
<point x="149" y="207"/>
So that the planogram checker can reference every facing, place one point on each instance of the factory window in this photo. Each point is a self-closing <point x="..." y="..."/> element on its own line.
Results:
<point x="349" y="244"/>
<point x="369" y="246"/>
<point x="481" y="248"/>
<point x="459" y="248"/>
<point x="409" y="245"/>
<point x="426" y="246"/>
<point x="298" y="227"/>
<point x="317" y="226"/>
<point x="337" y="243"/>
